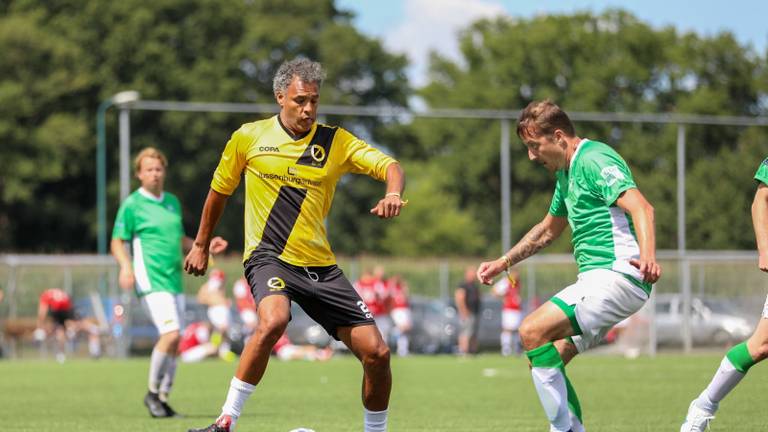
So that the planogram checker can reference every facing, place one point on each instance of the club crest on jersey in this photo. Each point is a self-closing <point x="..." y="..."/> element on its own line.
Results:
<point x="611" y="174"/>
<point x="276" y="284"/>
<point x="292" y="171"/>
<point x="317" y="152"/>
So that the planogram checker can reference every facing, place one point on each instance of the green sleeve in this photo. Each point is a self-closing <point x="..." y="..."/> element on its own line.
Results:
<point x="124" y="222"/>
<point x="608" y="176"/>
<point x="762" y="172"/>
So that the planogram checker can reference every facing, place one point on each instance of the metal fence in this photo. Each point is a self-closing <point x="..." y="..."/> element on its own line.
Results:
<point x="698" y="302"/>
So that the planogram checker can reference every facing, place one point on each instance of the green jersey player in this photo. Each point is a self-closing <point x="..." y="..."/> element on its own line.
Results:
<point x="741" y="357"/>
<point x="613" y="243"/>
<point x="150" y="220"/>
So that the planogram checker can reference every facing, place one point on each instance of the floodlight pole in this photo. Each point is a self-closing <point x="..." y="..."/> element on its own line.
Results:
<point x="120" y="99"/>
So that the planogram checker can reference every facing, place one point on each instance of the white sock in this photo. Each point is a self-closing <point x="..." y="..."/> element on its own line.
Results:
<point x="550" y="385"/>
<point x="725" y="379"/>
<point x="158" y="363"/>
<point x="374" y="421"/>
<point x="167" y="382"/>
<point x="506" y="343"/>
<point x="239" y="392"/>
<point x="402" y="345"/>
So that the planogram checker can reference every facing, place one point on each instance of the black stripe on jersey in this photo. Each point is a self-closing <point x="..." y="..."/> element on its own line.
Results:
<point x="282" y="218"/>
<point x="319" y="148"/>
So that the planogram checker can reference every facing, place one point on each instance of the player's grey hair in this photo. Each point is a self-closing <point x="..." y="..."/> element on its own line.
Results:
<point x="305" y="69"/>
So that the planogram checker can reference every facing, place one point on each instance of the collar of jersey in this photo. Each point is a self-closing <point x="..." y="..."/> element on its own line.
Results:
<point x="578" y="148"/>
<point x="295" y="137"/>
<point x="147" y="194"/>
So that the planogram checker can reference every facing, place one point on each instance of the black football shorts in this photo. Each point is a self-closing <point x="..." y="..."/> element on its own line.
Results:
<point x="324" y="293"/>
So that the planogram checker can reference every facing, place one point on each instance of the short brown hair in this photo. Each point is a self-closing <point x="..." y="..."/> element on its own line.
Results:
<point x="542" y="118"/>
<point x="149" y="152"/>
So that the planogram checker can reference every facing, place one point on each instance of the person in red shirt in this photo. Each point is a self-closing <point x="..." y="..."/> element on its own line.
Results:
<point x="401" y="312"/>
<point x="55" y="307"/>
<point x="195" y="343"/>
<point x="373" y="291"/>
<point x="508" y="288"/>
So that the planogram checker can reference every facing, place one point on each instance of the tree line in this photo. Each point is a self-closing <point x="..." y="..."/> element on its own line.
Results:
<point x="61" y="58"/>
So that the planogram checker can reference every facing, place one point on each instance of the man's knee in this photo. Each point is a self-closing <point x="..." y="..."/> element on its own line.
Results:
<point x="530" y="334"/>
<point x="762" y="351"/>
<point x="272" y="327"/>
<point x="377" y="358"/>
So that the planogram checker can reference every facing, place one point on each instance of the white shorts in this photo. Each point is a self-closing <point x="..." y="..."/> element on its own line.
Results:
<point x="510" y="319"/>
<point x="165" y="309"/>
<point x="402" y="317"/>
<point x="249" y="317"/>
<point x="219" y="316"/>
<point x="598" y="300"/>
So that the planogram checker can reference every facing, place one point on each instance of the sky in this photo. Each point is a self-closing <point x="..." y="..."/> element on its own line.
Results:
<point x="414" y="27"/>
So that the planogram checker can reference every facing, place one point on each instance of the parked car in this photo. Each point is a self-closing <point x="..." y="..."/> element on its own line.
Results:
<point x="714" y="321"/>
<point x="434" y="326"/>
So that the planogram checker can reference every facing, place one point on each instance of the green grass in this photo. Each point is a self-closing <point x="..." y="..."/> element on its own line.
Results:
<point x="487" y="393"/>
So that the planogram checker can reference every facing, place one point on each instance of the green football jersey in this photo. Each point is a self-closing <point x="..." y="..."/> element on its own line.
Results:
<point x="586" y="193"/>
<point x="153" y="225"/>
<point x="762" y="172"/>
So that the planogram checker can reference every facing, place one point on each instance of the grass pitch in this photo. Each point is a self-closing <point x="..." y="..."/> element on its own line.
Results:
<point x="485" y="393"/>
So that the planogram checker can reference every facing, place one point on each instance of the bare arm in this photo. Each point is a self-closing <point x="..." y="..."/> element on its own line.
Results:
<point x="633" y="202"/>
<point x="760" y="223"/>
<point x="460" y="296"/>
<point x="42" y="311"/>
<point x="126" y="279"/>
<point x="539" y="237"/>
<point x="196" y="262"/>
<point x="390" y="205"/>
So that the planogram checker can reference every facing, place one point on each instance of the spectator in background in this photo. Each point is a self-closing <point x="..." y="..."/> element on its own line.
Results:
<point x="285" y="350"/>
<point x="195" y="344"/>
<point x="246" y="305"/>
<point x="373" y="291"/>
<point x="150" y="220"/>
<point x="508" y="288"/>
<point x="401" y="312"/>
<point x="55" y="307"/>
<point x="467" y="297"/>
<point x="213" y="294"/>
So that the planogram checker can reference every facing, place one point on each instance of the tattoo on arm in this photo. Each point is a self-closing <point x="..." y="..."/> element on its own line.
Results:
<point x="536" y="239"/>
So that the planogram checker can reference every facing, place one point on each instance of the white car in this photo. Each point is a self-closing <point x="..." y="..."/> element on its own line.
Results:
<point x="714" y="321"/>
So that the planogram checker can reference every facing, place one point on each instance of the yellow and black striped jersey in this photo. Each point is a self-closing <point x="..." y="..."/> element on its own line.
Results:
<point x="289" y="184"/>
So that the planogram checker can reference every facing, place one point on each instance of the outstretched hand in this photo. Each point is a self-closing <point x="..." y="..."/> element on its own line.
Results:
<point x="389" y="206"/>
<point x="649" y="268"/>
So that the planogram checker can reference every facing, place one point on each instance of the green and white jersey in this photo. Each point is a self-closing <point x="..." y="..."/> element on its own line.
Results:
<point x="153" y="225"/>
<point x="762" y="172"/>
<point x="586" y="193"/>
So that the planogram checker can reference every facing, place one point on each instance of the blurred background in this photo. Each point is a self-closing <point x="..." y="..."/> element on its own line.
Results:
<point x="435" y="84"/>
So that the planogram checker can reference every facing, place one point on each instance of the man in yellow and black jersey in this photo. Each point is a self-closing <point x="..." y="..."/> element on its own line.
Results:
<point x="292" y="165"/>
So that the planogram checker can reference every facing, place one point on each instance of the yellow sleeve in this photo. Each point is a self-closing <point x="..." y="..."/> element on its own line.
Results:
<point x="362" y="158"/>
<point x="226" y="178"/>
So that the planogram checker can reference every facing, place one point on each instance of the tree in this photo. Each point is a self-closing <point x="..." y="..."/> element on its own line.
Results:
<point x="61" y="58"/>
<point x="608" y="62"/>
